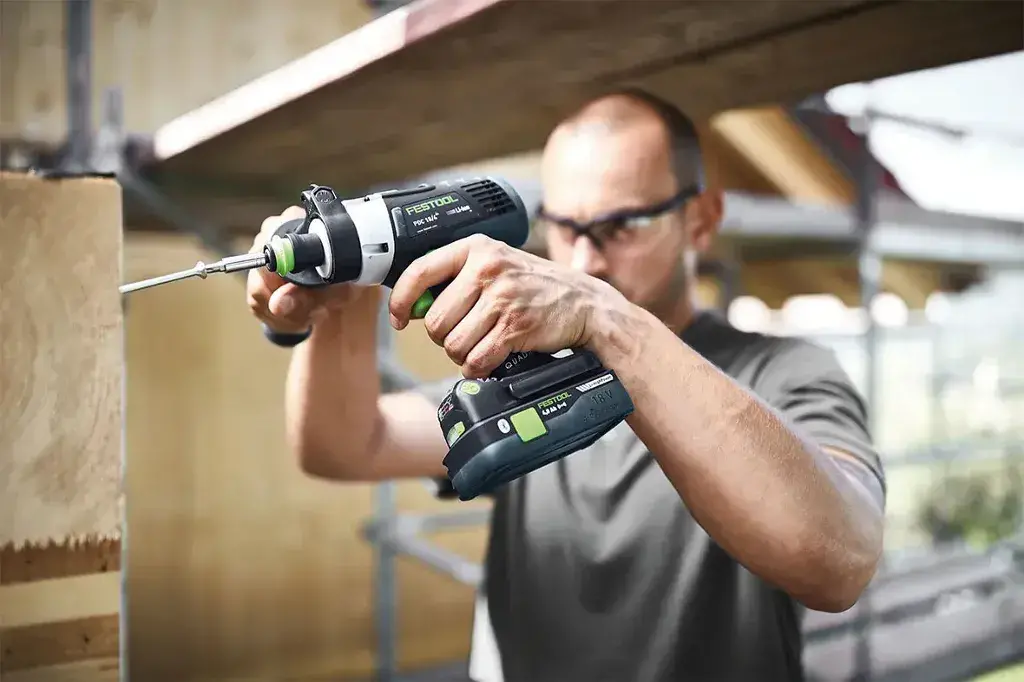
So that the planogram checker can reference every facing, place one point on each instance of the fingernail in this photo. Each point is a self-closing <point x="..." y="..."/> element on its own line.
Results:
<point x="394" y="320"/>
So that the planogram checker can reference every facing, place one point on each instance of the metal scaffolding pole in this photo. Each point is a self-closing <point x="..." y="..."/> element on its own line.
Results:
<point x="869" y="268"/>
<point x="79" y="157"/>
<point x="78" y="22"/>
<point x="385" y="510"/>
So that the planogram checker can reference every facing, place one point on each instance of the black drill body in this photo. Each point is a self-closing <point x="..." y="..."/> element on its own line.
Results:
<point x="535" y="408"/>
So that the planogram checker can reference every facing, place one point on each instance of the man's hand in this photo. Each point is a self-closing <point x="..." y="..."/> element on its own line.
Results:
<point x="285" y="307"/>
<point x="500" y="300"/>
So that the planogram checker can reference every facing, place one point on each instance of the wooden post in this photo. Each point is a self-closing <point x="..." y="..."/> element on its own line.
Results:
<point x="61" y="362"/>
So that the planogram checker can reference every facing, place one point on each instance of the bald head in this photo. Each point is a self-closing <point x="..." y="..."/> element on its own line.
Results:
<point x="623" y="149"/>
<point x="653" y="120"/>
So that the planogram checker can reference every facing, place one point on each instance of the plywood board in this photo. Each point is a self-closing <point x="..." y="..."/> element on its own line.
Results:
<point x="445" y="82"/>
<point x="60" y="360"/>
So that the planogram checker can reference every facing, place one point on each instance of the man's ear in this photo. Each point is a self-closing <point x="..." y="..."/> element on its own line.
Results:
<point x="710" y="209"/>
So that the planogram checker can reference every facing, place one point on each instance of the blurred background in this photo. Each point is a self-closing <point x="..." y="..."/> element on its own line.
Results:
<point x="870" y="152"/>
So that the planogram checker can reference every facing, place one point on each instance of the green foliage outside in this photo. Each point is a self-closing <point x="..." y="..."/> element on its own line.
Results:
<point x="978" y="509"/>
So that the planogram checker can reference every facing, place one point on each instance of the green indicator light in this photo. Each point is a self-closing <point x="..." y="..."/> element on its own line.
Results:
<point x="454" y="433"/>
<point x="528" y="425"/>
<point x="422" y="305"/>
<point x="469" y="387"/>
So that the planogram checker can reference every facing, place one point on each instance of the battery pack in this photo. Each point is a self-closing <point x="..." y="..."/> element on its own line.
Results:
<point x="499" y="430"/>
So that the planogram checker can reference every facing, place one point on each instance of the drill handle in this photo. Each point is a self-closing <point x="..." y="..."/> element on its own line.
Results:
<point x="426" y="299"/>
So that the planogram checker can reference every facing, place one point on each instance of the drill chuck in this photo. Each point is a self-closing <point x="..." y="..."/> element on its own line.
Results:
<point x="294" y="252"/>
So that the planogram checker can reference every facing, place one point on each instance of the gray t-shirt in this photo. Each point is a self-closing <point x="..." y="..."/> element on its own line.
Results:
<point x="595" y="570"/>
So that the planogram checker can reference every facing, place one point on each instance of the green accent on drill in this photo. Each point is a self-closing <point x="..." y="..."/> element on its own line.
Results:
<point x="528" y="424"/>
<point x="454" y="433"/>
<point x="284" y="255"/>
<point x="469" y="387"/>
<point x="422" y="305"/>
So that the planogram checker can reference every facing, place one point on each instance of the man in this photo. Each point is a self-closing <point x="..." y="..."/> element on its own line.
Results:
<point x="680" y="547"/>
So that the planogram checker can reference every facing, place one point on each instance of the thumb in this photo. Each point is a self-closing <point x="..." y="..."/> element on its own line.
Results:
<point x="288" y="302"/>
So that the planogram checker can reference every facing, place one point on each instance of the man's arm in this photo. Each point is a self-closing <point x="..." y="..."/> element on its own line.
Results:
<point x="338" y="424"/>
<point x="802" y="513"/>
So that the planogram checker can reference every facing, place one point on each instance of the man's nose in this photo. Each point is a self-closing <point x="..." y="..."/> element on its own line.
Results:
<point x="587" y="258"/>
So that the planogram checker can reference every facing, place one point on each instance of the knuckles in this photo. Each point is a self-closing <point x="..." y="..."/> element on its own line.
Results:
<point x="480" y="242"/>
<point x="453" y="348"/>
<point x="479" y="362"/>
<point x="432" y="325"/>
<point x="516" y="318"/>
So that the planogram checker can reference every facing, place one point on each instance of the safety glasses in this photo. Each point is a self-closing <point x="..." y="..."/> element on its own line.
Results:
<point x="618" y="225"/>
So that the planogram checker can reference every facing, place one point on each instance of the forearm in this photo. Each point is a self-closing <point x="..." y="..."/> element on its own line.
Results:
<point x="332" y="390"/>
<point x="774" y="501"/>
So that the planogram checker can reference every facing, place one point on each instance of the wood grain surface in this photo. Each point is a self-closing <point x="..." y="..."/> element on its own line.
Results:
<point x="60" y="360"/>
<point x="496" y="81"/>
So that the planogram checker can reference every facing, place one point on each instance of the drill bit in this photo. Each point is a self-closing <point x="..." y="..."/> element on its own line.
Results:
<point x="245" y="261"/>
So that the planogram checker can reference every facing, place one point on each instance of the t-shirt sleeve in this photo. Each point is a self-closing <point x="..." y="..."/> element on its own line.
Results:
<point x="808" y="386"/>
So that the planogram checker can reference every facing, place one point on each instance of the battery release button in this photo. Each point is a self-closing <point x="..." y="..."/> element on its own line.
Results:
<point x="528" y="425"/>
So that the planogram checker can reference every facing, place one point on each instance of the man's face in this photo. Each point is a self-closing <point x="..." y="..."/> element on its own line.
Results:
<point x="590" y="173"/>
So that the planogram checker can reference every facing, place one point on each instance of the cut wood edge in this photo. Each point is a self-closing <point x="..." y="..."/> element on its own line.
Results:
<point x="95" y="670"/>
<point x="53" y="560"/>
<point x="49" y="646"/>
<point x="71" y="543"/>
<point x="60" y="606"/>
<point x="60" y="600"/>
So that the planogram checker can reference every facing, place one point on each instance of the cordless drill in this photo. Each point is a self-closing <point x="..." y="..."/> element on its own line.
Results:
<point x="535" y="408"/>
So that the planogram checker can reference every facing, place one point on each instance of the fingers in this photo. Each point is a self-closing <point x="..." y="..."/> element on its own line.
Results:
<point x="469" y="331"/>
<point x="451" y="306"/>
<point x="438" y="266"/>
<point x="283" y="307"/>
<point x="487" y="353"/>
<point x="287" y="308"/>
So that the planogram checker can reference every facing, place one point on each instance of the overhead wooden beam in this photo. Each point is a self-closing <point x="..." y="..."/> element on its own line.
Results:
<point x="730" y="170"/>
<point x="428" y="86"/>
<point x="770" y="141"/>
<point x="913" y="282"/>
<point x="856" y="43"/>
